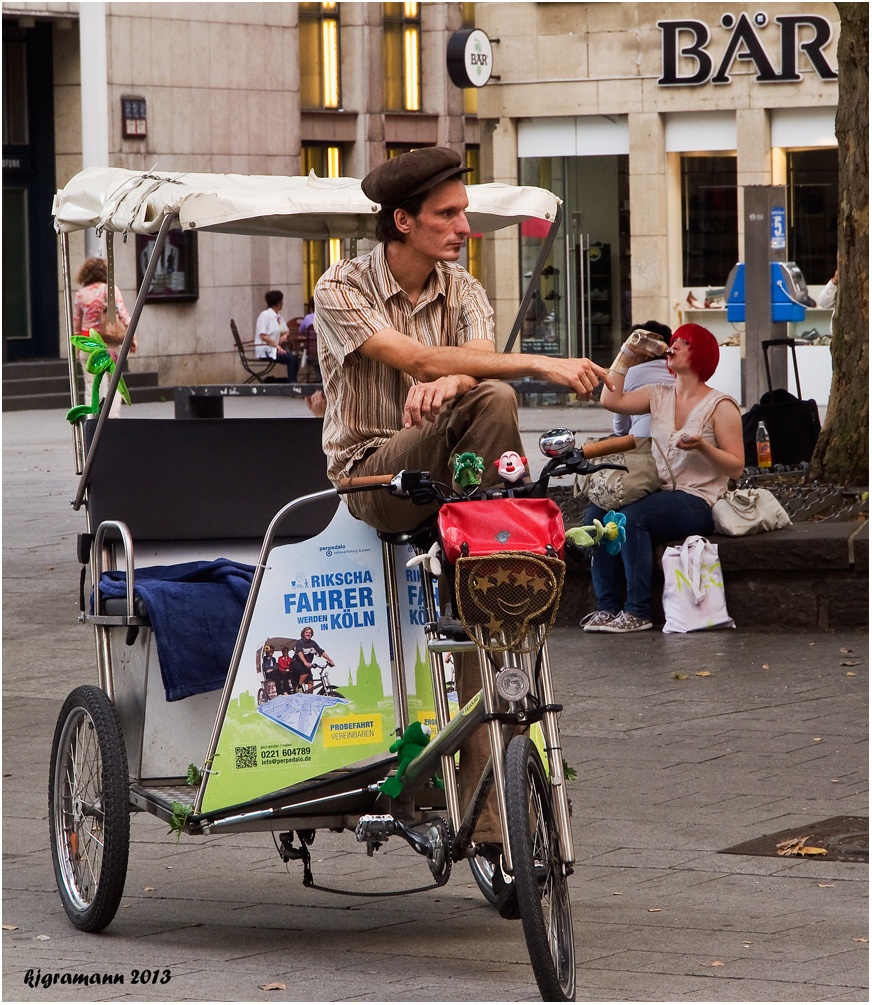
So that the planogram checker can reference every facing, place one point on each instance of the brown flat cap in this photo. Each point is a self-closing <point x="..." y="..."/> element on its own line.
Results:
<point x="400" y="178"/>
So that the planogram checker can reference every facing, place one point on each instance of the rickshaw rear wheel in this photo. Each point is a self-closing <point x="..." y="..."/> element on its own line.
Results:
<point x="540" y="879"/>
<point x="89" y="808"/>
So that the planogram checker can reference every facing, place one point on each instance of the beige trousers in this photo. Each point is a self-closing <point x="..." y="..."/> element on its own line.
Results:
<point x="485" y="421"/>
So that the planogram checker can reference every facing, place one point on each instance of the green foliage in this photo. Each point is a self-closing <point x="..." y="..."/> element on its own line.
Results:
<point x="179" y="820"/>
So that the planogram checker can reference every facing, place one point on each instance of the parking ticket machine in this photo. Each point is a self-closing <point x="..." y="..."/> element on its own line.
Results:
<point x="789" y="293"/>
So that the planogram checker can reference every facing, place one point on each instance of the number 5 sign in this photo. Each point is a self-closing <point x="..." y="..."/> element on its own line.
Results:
<point x="777" y="228"/>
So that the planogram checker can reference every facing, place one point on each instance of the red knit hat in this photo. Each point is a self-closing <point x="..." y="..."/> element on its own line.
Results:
<point x="704" y="351"/>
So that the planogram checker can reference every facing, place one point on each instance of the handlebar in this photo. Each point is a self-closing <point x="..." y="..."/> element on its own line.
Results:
<point x="421" y="489"/>
<point x="367" y="480"/>
<point x="613" y="445"/>
<point x="362" y="481"/>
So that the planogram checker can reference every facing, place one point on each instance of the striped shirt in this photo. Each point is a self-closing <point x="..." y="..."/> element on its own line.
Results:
<point x="355" y="299"/>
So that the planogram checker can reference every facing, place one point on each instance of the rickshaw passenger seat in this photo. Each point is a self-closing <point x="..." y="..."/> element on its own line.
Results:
<point x="199" y="480"/>
<point x="202" y="491"/>
<point x="117" y="607"/>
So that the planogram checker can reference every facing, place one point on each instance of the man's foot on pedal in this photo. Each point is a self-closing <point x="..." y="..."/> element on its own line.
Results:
<point x="503" y="884"/>
<point x="451" y="628"/>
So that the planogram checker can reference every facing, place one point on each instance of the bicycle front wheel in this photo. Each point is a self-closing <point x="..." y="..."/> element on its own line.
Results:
<point x="540" y="880"/>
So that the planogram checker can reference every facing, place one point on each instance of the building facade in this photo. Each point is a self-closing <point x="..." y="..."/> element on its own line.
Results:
<point x="646" y="119"/>
<point x="256" y="88"/>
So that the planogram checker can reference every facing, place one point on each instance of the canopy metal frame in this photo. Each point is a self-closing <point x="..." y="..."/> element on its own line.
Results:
<point x="117" y="200"/>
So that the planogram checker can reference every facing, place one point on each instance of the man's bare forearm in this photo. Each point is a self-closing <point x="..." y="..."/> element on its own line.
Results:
<point x="430" y="363"/>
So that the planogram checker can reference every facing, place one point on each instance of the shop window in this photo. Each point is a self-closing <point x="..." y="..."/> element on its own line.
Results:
<point x="545" y="327"/>
<point x="318" y="256"/>
<point x="14" y="92"/>
<point x="709" y="219"/>
<point x="402" y="57"/>
<point x="319" y="55"/>
<point x="176" y="277"/>
<point x="813" y="211"/>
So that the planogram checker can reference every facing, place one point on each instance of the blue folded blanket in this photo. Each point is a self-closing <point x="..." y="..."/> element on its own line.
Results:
<point x="195" y="610"/>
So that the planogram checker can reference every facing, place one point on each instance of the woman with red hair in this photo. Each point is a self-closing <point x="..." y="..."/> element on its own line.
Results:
<point x="699" y="431"/>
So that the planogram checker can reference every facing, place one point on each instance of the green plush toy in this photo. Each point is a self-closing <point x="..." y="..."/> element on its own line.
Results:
<point x="414" y="739"/>
<point x="468" y="469"/>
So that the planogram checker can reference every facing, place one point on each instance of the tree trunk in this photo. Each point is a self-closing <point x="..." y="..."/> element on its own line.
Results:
<point x="842" y="451"/>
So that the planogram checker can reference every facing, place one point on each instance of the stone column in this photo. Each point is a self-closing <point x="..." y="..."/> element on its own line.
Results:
<point x="95" y="98"/>
<point x="649" y="184"/>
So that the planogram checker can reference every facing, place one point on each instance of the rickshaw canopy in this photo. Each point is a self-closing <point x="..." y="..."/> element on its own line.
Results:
<point x="307" y="207"/>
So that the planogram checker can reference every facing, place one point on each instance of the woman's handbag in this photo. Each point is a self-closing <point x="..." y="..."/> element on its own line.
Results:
<point x="610" y="489"/>
<point x="748" y="511"/>
<point x="693" y="587"/>
<point x="113" y="332"/>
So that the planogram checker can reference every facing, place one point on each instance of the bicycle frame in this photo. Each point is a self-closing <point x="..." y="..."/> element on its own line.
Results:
<point x="483" y="709"/>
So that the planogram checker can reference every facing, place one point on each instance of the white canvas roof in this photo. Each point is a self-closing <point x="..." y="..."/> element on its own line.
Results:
<point x="268" y="205"/>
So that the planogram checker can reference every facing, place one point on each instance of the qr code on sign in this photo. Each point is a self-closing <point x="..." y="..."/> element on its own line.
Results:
<point x="246" y="757"/>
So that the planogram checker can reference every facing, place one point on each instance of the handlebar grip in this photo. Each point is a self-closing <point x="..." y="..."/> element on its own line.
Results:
<point x="614" y="445"/>
<point x="359" y="480"/>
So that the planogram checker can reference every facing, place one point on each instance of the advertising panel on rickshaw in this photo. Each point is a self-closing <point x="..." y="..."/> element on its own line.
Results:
<point x="413" y="617"/>
<point x="292" y="715"/>
<point x="324" y="597"/>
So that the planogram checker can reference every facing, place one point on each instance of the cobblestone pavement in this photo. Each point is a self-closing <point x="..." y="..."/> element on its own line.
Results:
<point x="673" y="768"/>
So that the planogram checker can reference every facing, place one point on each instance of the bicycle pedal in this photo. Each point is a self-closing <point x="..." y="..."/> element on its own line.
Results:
<point x="375" y="827"/>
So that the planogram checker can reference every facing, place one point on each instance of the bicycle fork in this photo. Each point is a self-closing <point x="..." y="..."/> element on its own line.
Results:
<point x="480" y="710"/>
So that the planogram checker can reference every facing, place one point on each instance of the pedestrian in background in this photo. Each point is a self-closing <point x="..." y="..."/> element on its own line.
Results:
<point x="270" y="331"/>
<point x="91" y="301"/>
<point x="651" y="371"/>
<point x="700" y="432"/>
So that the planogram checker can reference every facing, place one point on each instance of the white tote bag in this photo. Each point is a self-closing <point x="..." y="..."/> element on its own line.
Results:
<point x="693" y="587"/>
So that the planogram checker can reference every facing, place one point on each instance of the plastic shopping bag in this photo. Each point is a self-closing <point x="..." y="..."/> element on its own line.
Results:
<point x="693" y="587"/>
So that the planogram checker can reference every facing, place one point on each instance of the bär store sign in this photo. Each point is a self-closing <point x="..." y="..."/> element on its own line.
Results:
<point x="798" y="38"/>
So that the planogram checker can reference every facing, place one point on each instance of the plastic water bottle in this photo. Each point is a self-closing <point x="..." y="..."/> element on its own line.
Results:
<point x="764" y="447"/>
<point x="646" y="344"/>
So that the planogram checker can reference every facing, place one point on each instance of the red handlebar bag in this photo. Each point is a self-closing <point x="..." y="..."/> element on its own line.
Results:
<point x="484" y="526"/>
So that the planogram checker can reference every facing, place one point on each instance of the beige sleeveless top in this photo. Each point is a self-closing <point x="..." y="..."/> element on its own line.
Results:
<point x="692" y="471"/>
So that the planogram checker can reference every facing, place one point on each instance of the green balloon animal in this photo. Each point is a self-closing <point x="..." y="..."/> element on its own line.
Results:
<point x="101" y="360"/>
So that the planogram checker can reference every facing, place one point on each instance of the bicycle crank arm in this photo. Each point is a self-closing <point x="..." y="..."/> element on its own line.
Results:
<point x="434" y="844"/>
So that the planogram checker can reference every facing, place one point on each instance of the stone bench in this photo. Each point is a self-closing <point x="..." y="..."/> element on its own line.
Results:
<point x="808" y="576"/>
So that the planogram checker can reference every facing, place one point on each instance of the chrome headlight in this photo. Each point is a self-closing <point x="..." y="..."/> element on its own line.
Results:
<point x="513" y="684"/>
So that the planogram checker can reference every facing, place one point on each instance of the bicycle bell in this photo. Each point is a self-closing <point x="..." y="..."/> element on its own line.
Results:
<point x="557" y="442"/>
